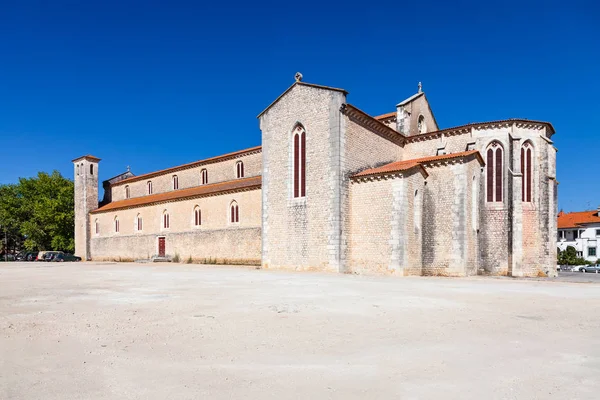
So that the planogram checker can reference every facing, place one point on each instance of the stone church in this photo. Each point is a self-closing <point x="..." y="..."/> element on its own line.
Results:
<point x="335" y="189"/>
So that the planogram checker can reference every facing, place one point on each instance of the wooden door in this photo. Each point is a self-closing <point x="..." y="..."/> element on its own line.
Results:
<point x="161" y="246"/>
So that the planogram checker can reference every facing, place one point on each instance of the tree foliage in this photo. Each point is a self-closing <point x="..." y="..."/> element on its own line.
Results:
<point x="39" y="212"/>
<point x="569" y="257"/>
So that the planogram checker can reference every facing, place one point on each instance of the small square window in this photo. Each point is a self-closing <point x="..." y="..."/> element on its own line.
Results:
<point x="591" y="251"/>
<point x="597" y="232"/>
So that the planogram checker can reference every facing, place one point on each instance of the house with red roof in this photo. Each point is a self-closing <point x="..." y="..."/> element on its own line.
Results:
<point x="581" y="230"/>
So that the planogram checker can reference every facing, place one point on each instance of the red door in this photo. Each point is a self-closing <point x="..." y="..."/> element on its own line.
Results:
<point x="161" y="246"/>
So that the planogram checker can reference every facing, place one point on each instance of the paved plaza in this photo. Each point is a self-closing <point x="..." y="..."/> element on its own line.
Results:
<point x="177" y="331"/>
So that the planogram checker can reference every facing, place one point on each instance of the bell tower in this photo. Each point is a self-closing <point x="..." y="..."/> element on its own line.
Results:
<point x="86" y="200"/>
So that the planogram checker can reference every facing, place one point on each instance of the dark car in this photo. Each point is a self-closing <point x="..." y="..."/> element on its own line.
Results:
<point x="49" y="256"/>
<point x="31" y="256"/>
<point x="62" y="257"/>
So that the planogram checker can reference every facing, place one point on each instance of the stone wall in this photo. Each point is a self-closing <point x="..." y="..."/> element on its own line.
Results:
<point x="361" y="149"/>
<point x="219" y="171"/>
<point x="385" y="224"/>
<point x="233" y="245"/>
<point x="302" y="233"/>
<point x="215" y="237"/>
<point x="449" y="237"/>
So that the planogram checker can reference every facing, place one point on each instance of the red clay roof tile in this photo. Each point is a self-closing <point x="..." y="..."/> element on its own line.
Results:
<point x="408" y="164"/>
<point x="577" y="219"/>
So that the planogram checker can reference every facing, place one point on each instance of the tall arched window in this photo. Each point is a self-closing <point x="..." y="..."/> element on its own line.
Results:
<point x="149" y="184"/>
<point x="116" y="224"/>
<point x="234" y="212"/>
<point x="239" y="166"/>
<point x="127" y="192"/>
<point x="204" y="177"/>
<point x="166" y="223"/>
<point x="494" y="172"/>
<point x="77" y="169"/>
<point x="197" y="216"/>
<point x="175" y="182"/>
<point x="138" y="222"/>
<point x="97" y="226"/>
<point x="299" y="136"/>
<point x="526" y="170"/>
<point x="421" y="125"/>
<point x="91" y="169"/>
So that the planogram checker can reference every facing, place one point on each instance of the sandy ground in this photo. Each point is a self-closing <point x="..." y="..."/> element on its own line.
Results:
<point x="126" y="331"/>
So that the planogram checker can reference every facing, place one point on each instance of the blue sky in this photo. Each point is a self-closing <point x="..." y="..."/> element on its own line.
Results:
<point x="187" y="79"/>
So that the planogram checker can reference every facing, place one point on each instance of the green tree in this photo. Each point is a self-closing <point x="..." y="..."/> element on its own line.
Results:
<point x="40" y="211"/>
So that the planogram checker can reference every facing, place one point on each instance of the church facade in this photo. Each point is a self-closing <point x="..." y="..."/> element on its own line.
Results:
<point x="332" y="188"/>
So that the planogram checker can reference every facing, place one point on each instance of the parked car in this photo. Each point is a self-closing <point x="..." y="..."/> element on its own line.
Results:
<point x="62" y="257"/>
<point x="31" y="256"/>
<point x="51" y="255"/>
<point x="40" y="256"/>
<point x="590" y="268"/>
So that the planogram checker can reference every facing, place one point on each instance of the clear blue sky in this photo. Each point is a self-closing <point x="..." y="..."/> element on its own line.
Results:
<point x="187" y="79"/>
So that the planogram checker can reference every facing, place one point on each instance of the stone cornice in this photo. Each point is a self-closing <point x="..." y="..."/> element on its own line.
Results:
<point x="464" y="129"/>
<point x="370" y="123"/>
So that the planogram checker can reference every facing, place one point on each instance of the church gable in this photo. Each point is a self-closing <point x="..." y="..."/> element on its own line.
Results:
<point x="414" y="115"/>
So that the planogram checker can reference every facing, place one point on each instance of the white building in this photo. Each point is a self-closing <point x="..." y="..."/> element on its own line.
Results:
<point x="582" y="231"/>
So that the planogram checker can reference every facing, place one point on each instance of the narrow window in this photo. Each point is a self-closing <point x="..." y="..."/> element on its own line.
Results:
<point x="77" y="169"/>
<point x="490" y="175"/>
<point x="239" y="169"/>
<point x="494" y="172"/>
<point x="597" y="232"/>
<point x="421" y="126"/>
<point x="234" y="212"/>
<point x="299" y="137"/>
<point x="204" y="176"/>
<point x="149" y="187"/>
<point x="166" y="222"/>
<point x="498" y="174"/>
<point x="175" y="182"/>
<point x="197" y="216"/>
<point x="97" y="226"/>
<point x="296" y="165"/>
<point x="127" y="192"/>
<point x="417" y="212"/>
<point x="117" y="224"/>
<point x="91" y="169"/>
<point x="526" y="170"/>
<point x="138" y="220"/>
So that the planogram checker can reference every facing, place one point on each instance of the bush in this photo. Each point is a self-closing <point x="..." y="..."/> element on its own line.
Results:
<point x="176" y="258"/>
<point x="189" y="260"/>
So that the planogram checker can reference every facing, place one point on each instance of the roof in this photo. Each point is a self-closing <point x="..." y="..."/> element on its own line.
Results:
<point x="189" y="165"/>
<point x="300" y="83"/>
<point x="408" y="164"/>
<point x="196" y="191"/>
<point x="577" y="219"/>
<point x="479" y="124"/>
<point x="386" y="116"/>
<point x="357" y="115"/>
<point x="397" y="166"/>
<point x="87" y="157"/>
<point x="411" y="98"/>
